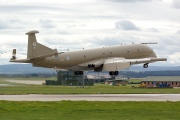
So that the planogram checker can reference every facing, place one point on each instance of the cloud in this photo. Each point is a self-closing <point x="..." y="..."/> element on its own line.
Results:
<point x="126" y="25"/>
<point x="178" y="32"/>
<point x="175" y="58"/>
<point x="153" y="30"/>
<point x="127" y="1"/>
<point x="176" y="4"/>
<point x="62" y="32"/>
<point x="3" y="25"/>
<point x="47" y="23"/>
<point x="10" y="24"/>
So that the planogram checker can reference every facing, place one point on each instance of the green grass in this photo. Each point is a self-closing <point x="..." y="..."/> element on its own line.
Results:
<point x="97" y="89"/>
<point x="83" y="110"/>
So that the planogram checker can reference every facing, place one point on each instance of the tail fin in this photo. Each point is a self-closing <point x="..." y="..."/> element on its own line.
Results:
<point x="36" y="49"/>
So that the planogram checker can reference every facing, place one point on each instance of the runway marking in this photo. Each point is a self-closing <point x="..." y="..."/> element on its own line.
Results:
<point x="93" y="97"/>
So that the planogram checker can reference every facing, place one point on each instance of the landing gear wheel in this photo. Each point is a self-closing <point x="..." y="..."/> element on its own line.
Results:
<point x="78" y="72"/>
<point x="116" y="73"/>
<point x="145" y="65"/>
<point x="111" y="73"/>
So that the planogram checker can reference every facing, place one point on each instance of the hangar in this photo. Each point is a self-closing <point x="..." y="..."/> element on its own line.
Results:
<point x="162" y="81"/>
<point x="67" y="78"/>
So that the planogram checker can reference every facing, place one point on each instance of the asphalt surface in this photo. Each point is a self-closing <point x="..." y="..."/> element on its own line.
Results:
<point x="30" y="82"/>
<point x="93" y="97"/>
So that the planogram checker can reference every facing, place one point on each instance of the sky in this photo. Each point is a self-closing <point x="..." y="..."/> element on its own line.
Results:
<point x="77" y="24"/>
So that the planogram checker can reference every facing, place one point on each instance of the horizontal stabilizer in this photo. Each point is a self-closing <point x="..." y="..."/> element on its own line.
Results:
<point x="21" y="60"/>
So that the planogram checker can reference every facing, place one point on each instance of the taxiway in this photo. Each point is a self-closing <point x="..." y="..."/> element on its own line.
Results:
<point x="93" y="97"/>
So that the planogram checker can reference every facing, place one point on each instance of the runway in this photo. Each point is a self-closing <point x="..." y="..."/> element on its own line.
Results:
<point x="93" y="97"/>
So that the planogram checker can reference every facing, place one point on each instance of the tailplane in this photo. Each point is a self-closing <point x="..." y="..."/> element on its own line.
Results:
<point x="36" y="49"/>
<point x="13" y="54"/>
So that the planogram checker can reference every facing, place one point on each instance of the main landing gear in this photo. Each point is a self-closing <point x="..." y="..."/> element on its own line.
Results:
<point x="113" y="73"/>
<point x="78" y="72"/>
<point x="145" y="65"/>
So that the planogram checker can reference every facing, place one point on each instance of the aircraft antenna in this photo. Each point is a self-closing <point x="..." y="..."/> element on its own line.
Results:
<point x="150" y="43"/>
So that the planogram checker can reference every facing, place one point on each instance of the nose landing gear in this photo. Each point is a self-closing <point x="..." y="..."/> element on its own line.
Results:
<point x="145" y="65"/>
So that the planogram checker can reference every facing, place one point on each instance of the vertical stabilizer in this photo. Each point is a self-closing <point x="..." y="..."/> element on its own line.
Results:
<point x="36" y="49"/>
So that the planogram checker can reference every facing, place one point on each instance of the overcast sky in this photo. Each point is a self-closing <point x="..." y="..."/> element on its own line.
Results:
<point x="77" y="24"/>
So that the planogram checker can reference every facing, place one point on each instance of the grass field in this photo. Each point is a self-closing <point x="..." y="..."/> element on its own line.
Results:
<point x="83" y="110"/>
<point x="97" y="89"/>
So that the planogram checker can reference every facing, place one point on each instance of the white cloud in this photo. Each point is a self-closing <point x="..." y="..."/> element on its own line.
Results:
<point x="47" y="23"/>
<point x="176" y="4"/>
<point x="126" y="25"/>
<point x="153" y="30"/>
<point x="175" y="58"/>
<point x="178" y="31"/>
<point x="127" y="1"/>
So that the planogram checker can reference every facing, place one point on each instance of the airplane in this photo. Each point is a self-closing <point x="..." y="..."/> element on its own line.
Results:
<point x="111" y="59"/>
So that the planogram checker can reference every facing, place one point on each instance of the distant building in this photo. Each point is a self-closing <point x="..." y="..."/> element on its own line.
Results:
<point x="162" y="81"/>
<point x="116" y="82"/>
<point x="67" y="78"/>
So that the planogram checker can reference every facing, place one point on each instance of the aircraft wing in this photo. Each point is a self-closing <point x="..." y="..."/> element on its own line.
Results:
<point x="147" y="60"/>
<point x="116" y="64"/>
<point x="122" y="63"/>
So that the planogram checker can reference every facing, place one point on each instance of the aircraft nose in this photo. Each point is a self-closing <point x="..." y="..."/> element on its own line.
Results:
<point x="153" y="54"/>
<point x="148" y="51"/>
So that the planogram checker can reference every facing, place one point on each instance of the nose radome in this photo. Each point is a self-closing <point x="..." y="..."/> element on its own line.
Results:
<point x="149" y="51"/>
<point x="153" y="54"/>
